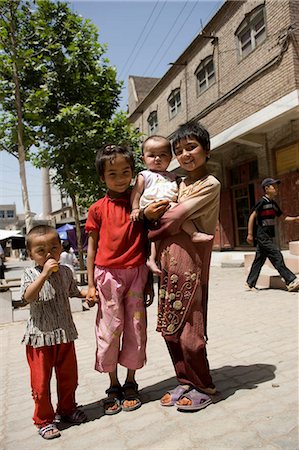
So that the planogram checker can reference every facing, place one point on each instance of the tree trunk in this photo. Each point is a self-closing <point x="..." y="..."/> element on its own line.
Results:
<point x="18" y="101"/>
<point x="78" y="231"/>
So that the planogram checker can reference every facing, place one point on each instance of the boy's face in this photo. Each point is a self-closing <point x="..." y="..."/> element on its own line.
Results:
<point x="190" y="154"/>
<point x="271" y="190"/>
<point x="156" y="156"/>
<point x="43" y="247"/>
<point x="117" y="175"/>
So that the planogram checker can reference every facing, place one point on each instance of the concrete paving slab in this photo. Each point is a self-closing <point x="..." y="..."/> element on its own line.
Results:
<point x="253" y="354"/>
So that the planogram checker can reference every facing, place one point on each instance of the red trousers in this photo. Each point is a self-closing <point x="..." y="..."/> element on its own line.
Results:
<point x="41" y="361"/>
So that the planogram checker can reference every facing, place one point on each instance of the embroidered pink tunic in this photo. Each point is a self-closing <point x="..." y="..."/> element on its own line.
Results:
<point x="183" y="296"/>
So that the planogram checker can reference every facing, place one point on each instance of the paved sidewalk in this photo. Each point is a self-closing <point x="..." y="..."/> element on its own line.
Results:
<point x="253" y="352"/>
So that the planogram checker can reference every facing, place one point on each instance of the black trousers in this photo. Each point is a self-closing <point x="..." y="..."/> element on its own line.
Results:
<point x="2" y="271"/>
<point x="266" y="248"/>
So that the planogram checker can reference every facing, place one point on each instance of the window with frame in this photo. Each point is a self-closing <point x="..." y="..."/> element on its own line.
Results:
<point x="252" y="31"/>
<point x="2" y="214"/>
<point x="205" y="74"/>
<point x="174" y="103"/>
<point x="10" y="214"/>
<point x="152" y="123"/>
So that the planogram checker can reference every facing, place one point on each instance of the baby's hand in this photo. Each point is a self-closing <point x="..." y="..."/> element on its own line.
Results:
<point x="134" y="216"/>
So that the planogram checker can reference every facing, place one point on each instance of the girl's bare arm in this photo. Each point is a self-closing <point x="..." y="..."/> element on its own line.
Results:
<point x="91" y="254"/>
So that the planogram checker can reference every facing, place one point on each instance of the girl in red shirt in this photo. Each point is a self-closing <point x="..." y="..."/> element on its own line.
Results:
<point x="117" y="274"/>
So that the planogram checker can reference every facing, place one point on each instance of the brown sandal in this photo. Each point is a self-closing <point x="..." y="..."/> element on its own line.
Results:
<point x="113" y="400"/>
<point x="131" y="386"/>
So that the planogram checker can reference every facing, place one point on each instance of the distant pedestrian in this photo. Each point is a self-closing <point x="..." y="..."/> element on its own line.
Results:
<point x="68" y="257"/>
<point x="2" y="267"/>
<point x="116" y="256"/>
<point x="264" y="214"/>
<point x="23" y="254"/>
<point x="50" y="331"/>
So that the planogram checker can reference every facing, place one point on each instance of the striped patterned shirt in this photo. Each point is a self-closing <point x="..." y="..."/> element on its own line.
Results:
<point x="50" y="321"/>
<point x="267" y="210"/>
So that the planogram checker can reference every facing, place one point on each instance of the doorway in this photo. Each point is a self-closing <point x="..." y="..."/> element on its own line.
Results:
<point x="242" y="187"/>
<point x="243" y="201"/>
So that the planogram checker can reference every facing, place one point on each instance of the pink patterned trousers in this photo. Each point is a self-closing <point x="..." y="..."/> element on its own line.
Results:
<point x="121" y="318"/>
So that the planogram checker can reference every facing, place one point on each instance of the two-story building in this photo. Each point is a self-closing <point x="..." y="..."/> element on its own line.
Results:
<point x="240" y="78"/>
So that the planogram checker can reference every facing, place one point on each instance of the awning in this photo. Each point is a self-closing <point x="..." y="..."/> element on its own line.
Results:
<point x="62" y="231"/>
<point x="7" y="234"/>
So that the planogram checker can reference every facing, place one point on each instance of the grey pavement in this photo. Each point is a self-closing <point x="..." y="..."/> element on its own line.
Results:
<point x="253" y="354"/>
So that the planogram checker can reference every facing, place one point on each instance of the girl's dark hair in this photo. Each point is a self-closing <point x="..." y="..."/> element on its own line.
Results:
<point x="39" y="230"/>
<point x="192" y="129"/>
<point x="109" y="153"/>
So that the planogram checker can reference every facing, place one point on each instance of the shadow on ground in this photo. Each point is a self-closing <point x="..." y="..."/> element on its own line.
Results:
<point x="228" y="380"/>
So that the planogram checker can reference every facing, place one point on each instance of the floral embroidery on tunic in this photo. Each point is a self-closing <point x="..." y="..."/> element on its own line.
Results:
<point x="175" y="295"/>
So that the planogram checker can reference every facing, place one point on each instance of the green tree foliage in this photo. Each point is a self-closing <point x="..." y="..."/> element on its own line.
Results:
<point x="80" y="94"/>
<point x="69" y="95"/>
<point x="16" y="87"/>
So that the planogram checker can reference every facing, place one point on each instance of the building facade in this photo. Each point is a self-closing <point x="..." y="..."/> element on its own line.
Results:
<point x="8" y="217"/>
<point x="240" y="78"/>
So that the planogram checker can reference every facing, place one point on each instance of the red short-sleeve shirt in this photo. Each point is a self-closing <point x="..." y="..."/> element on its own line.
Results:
<point x="122" y="243"/>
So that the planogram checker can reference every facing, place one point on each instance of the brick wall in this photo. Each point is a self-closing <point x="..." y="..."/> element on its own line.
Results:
<point x="244" y="97"/>
<point x="230" y="72"/>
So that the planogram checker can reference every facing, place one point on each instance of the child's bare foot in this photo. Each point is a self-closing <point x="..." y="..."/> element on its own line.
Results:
<point x="152" y="265"/>
<point x="201" y="237"/>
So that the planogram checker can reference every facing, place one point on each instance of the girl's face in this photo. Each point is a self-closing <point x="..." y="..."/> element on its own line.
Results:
<point x="156" y="156"/>
<point x="43" y="247"/>
<point x="190" y="154"/>
<point x="117" y="175"/>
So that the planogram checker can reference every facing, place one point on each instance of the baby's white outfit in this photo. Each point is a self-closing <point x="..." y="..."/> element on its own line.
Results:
<point x="158" y="186"/>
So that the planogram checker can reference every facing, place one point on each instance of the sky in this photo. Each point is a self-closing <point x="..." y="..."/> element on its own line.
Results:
<point x="142" y="38"/>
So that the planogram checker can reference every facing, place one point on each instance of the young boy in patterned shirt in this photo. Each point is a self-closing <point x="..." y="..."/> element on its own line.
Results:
<point x="50" y="331"/>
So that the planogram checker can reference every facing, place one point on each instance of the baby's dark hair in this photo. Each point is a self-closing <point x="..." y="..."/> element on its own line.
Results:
<point x="192" y="129"/>
<point x="66" y="245"/>
<point x="157" y="138"/>
<point x="39" y="230"/>
<point x="109" y="153"/>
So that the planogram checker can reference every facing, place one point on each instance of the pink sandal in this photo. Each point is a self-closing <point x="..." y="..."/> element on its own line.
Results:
<point x="199" y="401"/>
<point x="175" y="394"/>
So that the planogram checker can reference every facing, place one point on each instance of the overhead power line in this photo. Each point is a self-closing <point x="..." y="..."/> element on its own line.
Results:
<point x="138" y="39"/>
<point x="177" y="34"/>
<point x="166" y="37"/>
